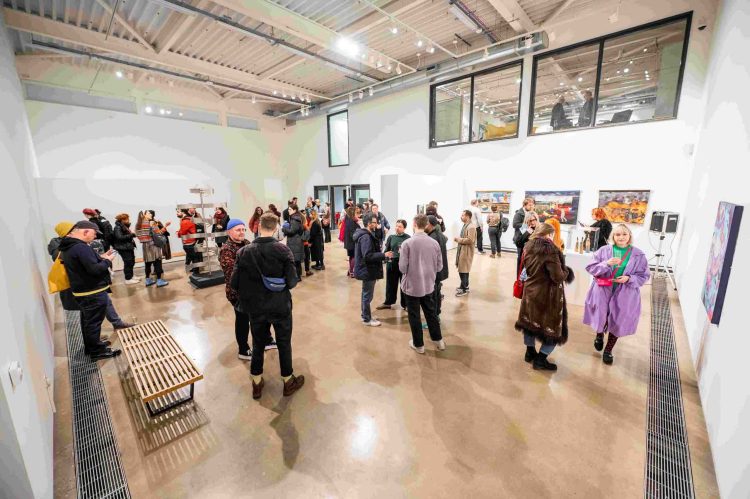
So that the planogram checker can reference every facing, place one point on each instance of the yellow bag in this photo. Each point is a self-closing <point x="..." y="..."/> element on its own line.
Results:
<point x="57" y="279"/>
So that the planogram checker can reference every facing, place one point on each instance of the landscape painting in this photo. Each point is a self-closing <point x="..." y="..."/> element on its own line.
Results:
<point x="627" y="207"/>
<point x="488" y="199"/>
<point x="562" y="205"/>
<point x="723" y="243"/>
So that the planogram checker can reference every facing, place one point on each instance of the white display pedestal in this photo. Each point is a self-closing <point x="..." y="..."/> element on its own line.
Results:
<point x="575" y="293"/>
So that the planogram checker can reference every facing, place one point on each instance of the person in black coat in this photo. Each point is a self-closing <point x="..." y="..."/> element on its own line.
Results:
<point x="587" y="110"/>
<point x="123" y="240"/>
<point x="368" y="265"/>
<point x="601" y="238"/>
<point x="559" y="119"/>
<point x="434" y="231"/>
<point x="521" y="238"/>
<point x="350" y="227"/>
<point x="293" y="231"/>
<point x="221" y="219"/>
<point x="317" y="244"/>
<point x="518" y="224"/>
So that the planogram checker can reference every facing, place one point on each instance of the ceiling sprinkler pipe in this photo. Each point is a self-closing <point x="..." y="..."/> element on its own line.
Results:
<point x="445" y="70"/>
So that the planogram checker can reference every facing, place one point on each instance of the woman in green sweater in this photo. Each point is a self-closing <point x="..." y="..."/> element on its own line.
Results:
<point x="393" y="274"/>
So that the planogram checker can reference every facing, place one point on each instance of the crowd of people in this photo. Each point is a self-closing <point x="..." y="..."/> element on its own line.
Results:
<point x="263" y="259"/>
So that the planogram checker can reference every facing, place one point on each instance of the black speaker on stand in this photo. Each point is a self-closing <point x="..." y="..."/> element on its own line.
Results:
<point x="663" y="223"/>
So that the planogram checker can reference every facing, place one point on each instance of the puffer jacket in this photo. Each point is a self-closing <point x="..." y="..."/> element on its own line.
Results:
<point x="368" y="259"/>
<point x="123" y="238"/>
<point x="438" y="236"/>
<point x="293" y="233"/>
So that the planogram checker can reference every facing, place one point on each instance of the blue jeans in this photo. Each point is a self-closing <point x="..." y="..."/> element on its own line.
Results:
<point x="529" y="340"/>
<point x="112" y="315"/>
<point x="368" y="290"/>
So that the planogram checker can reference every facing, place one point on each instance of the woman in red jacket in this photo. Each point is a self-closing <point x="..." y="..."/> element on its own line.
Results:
<point x="187" y="227"/>
<point x="254" y="224"/>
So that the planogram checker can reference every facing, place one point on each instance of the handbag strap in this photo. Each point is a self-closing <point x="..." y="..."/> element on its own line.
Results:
<point x="624" y="257"/>
<point x="520" y="267"/>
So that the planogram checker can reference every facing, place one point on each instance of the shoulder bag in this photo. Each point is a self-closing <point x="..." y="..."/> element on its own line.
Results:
<point x="160" y="240"/>
<point x="608" y="281"/>
<point x="274" y="284"/>
<point x="518" y="285"/>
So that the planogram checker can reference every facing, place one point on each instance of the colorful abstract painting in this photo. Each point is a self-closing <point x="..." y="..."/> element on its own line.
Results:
<point x="724" y="241"/>
<point x="487" y="199"/>
<point x="626" y="207"/>
<point x="562" y="205"/>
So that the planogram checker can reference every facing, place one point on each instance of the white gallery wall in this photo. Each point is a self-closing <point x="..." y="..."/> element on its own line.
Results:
<point x="721" y="173"/>
<point x="119" y="162"/>
<point x="25" y="336"/>
<point x="390" y="136"/>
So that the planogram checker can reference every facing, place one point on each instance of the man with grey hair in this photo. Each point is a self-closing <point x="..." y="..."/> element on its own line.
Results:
<point x="476" y="219"/>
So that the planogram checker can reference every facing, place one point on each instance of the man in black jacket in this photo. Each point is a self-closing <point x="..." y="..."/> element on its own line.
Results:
<point x="90" y="281"/>
<point x="368" y="265"/>
<point x="105" y="228"/>
<point x="518" y="218"/>
<point x="257" y="262"/>
<point x="433" y="230"/>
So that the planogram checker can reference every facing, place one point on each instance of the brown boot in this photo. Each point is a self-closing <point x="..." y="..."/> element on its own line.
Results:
<point x="258" y="389"/>
<point x="293" y="384"/>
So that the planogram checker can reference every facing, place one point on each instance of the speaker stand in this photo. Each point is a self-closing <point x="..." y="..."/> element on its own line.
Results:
<point x="661" y="263"/>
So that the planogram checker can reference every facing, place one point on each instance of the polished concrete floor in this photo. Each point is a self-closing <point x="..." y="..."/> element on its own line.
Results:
<point x="375" y="419"/>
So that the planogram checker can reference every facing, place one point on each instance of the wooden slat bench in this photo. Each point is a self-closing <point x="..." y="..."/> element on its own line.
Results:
<point x="158" y="363"/>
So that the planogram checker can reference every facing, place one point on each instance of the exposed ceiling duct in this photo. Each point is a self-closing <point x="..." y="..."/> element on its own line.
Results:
<point x="474" y="23"/>
<point x="448" y="69"/>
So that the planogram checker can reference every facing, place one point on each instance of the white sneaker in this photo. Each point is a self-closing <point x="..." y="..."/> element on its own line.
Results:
<point x="372" y="323"/>
<point x="132" y="281"/>
<point x="440" y="344"/>
<point x="416" y="349"/>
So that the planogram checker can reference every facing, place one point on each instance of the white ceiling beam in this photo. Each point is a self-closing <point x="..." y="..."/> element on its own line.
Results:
<point x="83" y="37"/>
<point x="514" y="15"/>
<point x="130" y="29"/>
<point x="176" y="26"/>
<point x="556" y="13"/>
<point x="289" y="21"/>
<point x="213" y="91"/>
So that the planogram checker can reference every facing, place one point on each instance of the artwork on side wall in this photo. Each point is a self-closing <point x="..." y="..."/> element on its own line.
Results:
<point x="421" y="208"/>
<point x="487" y="199"/>
<point x="562" y="205"/>
<point x="723" y="243"/>
<point x="627" y="207"/>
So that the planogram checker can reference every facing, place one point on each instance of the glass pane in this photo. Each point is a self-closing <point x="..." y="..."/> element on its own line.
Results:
<point x="361" y="195"/>
<point x="640" y="75"/>
<point x="451" y="113"/>
<point x="564" y="89"/>
<point x="496" y="105"/>
<point x="322" y="194"/>
<point x="338" y="139"/>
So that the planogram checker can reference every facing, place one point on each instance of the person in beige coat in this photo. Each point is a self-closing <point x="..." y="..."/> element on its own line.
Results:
<point x="465" y="251"/>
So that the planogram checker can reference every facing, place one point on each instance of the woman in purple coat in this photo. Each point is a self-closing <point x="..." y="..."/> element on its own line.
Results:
<point x="616" y="308"/>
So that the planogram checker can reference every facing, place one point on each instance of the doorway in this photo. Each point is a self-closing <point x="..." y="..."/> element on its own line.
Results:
<point x="338" y="195"/>
<point x="323" y="193"/>
<point x="360" y="193"/>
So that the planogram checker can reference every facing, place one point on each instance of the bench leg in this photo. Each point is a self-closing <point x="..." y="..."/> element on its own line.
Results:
<point x="167" y="407"/>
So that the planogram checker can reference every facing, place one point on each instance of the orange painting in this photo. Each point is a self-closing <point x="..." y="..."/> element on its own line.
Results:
<point x="628" y="207"/>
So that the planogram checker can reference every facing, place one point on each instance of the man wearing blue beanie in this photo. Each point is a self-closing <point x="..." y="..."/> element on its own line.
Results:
<point x="227" y="257"/>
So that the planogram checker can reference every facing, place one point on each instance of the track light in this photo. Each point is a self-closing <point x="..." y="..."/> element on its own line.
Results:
<point x="430" y="49"/>
<point x="420" y="43"/>
<point x="371" y="91"/>
<point x="486" y="53"/>
<point x="119" y="74"/>
<point x="275" y="92"/>
<point x="149" y="109"/>
<point x="398" y="69"/>
<point x="252" y="99"/>
<point x="162" y="111"/>
<point x="394" y="30"/>
<point x="361" y="95"/>
<point x="351" y="98"/>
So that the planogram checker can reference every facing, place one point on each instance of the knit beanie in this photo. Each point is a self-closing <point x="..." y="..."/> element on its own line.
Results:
<point x="234" y="222"/>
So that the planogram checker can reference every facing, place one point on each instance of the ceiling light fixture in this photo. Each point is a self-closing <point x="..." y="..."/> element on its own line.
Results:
<point x="486" y="53"/>
<point x="180" y="114"/>
<point x="631" y="62"/>
<point x="394" y="30"/>
<point x="562" y="84"/>
<point x="149" y="109"/>
<point x="347" y="47"/>
<point x="420" y="43"/>
<point x="119" y="74"/>
<point x="430" y="49"/>
<point x="626" y="70"/>
<point x="518" y="80"/>
<point x="252" y="99"/>
<point x="580" y="78"/>
<point x="162" y="111"/>
<point x="645" y="50"/>
<point x="361" y="95"/>
<point x="275" y="92"/>
<point x="398" y="69"/>
<point x="351" y="98"/>
<point x="371" y="91"/>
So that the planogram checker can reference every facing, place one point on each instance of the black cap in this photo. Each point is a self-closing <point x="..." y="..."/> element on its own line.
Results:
<point x="85" y="224"/>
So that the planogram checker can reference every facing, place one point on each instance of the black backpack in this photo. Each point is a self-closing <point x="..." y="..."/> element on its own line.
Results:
<point x="504" y="223"/>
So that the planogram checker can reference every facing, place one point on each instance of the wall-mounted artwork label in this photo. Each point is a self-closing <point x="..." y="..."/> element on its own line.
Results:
<point x="562" y="205"/>
<point x="488" y="199"/>
<point x="723" y="243"/>
<point x="627" y="207"/>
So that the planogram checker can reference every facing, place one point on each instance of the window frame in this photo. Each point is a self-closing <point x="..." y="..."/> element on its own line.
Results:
<point x="601" y="40"/>
<point x="328" y="137"/>
<point x="433" y="88"/>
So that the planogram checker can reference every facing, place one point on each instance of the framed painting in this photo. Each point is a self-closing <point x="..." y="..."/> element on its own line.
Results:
<point x="562" y="205"/>
<point x="627" y="207"/>
<point x="488" y="199"/>
<point x="723" y="243"/>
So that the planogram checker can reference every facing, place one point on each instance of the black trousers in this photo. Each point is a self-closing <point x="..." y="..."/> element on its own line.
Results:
<point x="157" y="268"/>
<point x="518" y="260"/>
<point x="128" y="258"/>
<point x="464" y="279"/>
<point x="260" y="327"/>
<point x="392" y="279"/>
<point x="307" y="258"/>
<point x="298" y="268"/>
<point x="242" y="331"/>
<point x="437" y="297"/>
<point x="327" y="234"/>
<point x="427" y="304"/>
<point x="192" y="256"/>
<point x="93" y="310"/>
<point x="69" y="301"/>
<point x="479" y="240"/>
<point x="494" y="233"/>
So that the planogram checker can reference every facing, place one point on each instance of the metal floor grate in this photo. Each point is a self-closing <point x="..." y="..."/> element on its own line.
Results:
<point x="99" y="472"/>
<point x="668" y="469"/>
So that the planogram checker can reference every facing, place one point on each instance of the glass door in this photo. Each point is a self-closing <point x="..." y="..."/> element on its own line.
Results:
<point x="322" y="192"/>
<point x="360" y="193"/>
<point x="338" y="194"/>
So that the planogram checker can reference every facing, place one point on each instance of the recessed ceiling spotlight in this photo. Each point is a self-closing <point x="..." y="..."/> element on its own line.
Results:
<point x="119" y="74"/>
<point x="646" y="72"/>
<point x="631" y="62"/>
<point x="149" y="109"/>
<point x="275" y="92"/>
<point x="618" y="71"/>
<point x="420" y="43"/>
<point x="626" y="70"/>
<point x="394" y="30"/>
<point x="580" y="78"/>
<point x="455" y="41"/>
<point x="645" y="50"/>
<point x="562" y="84"/>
